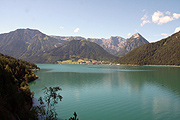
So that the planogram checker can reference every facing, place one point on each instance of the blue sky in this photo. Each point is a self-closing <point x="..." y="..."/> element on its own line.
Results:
<point x="153" y="19"/>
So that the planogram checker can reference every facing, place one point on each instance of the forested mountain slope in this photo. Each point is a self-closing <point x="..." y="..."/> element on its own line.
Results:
<point x="75" y="49"/>
<point x="163" y="52"/>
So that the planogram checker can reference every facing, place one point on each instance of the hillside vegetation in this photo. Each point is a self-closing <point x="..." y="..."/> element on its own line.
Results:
<point x="15" y="95"/>
<point x="163" y="52"/>
<point x="75" y="49"/>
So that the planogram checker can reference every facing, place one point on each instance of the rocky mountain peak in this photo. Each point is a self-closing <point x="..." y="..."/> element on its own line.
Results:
<point x="137" y="35"/>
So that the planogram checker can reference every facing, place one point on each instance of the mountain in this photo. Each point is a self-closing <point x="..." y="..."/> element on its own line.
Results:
<point x="115" y="45"/>
<point x="25" y="43"/>
<point x="75" y="49"/>
<point x="134" y="41"/>
<point x="111" y="45"/>
<point x="163" y="52"/>
<point x="68" y="38"/>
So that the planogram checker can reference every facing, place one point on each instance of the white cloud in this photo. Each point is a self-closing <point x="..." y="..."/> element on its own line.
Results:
<point x="165" y="19"/>
<point x="76" y="30"/>
<point x="156" y="16"/>
<point x="159" y="17"/>
<point x="129" y="34"/>
<point x="176" y="16"/>
<point x="61" y="27"/>
<point x="145" y="21"/>
<point x="144" y="17"/>
<point x="177" y="30"/>
<point x="168" y="13"/>
<point x="164" y="34"/>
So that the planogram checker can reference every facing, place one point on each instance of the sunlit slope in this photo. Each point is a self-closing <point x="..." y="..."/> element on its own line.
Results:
<point x="163" y="52"/>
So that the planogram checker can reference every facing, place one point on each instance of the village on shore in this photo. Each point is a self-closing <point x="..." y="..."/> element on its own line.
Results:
<point x="85" y="61"/>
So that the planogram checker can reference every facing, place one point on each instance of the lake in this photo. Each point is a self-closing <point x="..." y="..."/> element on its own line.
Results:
<point x="113" y="92"/>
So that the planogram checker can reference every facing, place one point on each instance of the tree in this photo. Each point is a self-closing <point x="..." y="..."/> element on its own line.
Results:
<point x="74" y="118"/>
<point x="46" y="109"/>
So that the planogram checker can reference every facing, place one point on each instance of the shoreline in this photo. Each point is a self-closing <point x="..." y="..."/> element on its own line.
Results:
<point x="164" y="65"/>
<point x="152" y="65"/>
<point x="116" y="64"/>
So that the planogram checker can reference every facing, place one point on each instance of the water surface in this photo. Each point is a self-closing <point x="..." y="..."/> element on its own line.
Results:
<point x="111" y="92"/>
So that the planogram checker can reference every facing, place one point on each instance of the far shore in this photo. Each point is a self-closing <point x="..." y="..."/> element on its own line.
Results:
<point x="153" y="65"/>
<point x="164" y="65"/>
<point x="112" y="64"/>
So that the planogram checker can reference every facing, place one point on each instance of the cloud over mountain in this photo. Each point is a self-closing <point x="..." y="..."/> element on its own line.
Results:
<point x="144" y="20"/>
<point x="159" y="17"/>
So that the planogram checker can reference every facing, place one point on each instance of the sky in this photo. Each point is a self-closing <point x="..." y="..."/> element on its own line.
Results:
<point x="153" y="19"/>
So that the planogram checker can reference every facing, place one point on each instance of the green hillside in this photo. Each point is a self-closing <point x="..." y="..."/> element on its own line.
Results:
<point x="75" y="49"/>
<point x="163" y="52"/>
<point x="15" y="95"/>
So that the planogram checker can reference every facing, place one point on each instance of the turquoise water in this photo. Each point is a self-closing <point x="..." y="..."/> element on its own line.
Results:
<point x="112" y="92"/>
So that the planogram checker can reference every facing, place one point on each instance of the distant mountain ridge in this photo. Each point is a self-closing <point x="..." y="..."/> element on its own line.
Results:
<point x="111" y="45"/>
<point x="75" y="49"/>
<point x="163" y="52"/>
<point x="68" y="38"/>
<point x="115" y="45"/>
<point x="26" y="43"/>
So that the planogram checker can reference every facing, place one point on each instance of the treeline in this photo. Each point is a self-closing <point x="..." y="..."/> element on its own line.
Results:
<point x="15" y="95"/>
<point x="163" y="52"/>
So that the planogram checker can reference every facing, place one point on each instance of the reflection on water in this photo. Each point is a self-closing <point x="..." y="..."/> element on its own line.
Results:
<point x="113" y="92"/>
